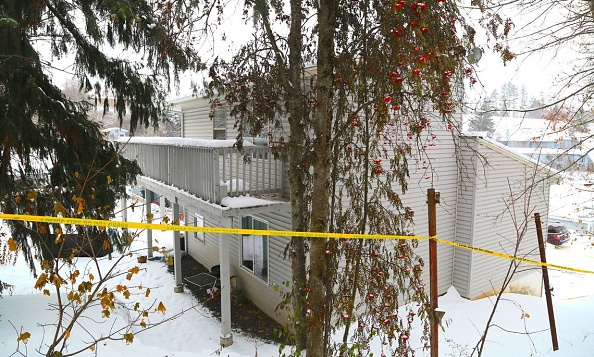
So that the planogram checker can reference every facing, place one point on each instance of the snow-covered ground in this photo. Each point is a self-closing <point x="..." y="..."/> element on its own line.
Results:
<point x="195" y="333"/>
<point x="572" y="203"/>
<point x="521" y="329"/>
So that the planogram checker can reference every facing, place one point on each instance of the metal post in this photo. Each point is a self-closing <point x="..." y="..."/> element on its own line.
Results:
<point x="432" y="198"/>
<point x="545" y="276"/>
<point x="162" y="208"/>
<point x="226" y="338"/>
<point x="217" y="182"/>
<point x="148" y="200"/>
<point x="177" y="256"/>
<point x="124" y="208"/>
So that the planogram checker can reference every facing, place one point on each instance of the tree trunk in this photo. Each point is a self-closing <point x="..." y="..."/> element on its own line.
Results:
<point x="297" y="179"/>
<point x="321" y="178"/>
<point x="298" y="174"/>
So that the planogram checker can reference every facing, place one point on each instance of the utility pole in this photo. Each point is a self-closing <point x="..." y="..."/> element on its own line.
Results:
<point x="432" y="199"/>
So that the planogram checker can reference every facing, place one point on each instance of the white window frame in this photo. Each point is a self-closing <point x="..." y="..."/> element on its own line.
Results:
<point x="219" y="115"/>
<point x="199" y="222"/>
<point x="263" y="273"/>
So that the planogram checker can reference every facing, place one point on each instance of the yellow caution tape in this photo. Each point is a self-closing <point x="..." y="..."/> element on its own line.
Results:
<point x="173" y="227"/>
<point x="266" y="232"/>
<point x="511" y="257"/>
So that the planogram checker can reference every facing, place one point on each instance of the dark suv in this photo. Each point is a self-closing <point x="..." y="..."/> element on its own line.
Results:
<point x="557" y="234"/>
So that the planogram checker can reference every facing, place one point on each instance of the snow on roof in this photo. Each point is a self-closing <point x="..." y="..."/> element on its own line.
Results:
<point x="113" y="129"/>
<point x="537" y="137"/>
<point x="507" y="123"/>
<point x="514" y="154"/>
<point x="185" y="99"/>
<point x="183" y="142"/>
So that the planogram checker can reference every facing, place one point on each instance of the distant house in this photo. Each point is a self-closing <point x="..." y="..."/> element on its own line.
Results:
<point x="479" y="180"/>
<point x="546" y="142"/>
<point x="114" y="133"/>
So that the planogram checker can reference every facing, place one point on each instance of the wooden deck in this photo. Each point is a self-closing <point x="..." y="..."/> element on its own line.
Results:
<point x="209" y="169"/>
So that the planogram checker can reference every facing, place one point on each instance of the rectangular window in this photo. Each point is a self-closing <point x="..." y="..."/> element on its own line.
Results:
<point x="199" y="222"/>
<point x="219" y="124"/>
<point x="254" y="248"/>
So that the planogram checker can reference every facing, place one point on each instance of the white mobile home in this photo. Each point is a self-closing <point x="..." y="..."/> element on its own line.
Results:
<point x="479" y="182"/>
<point x="114" y="133"/>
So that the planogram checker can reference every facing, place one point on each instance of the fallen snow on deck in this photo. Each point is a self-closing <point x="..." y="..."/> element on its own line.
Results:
<point x="226" y="203"/>
<point x="245" y="201"/>
<point x="183" y="142"/>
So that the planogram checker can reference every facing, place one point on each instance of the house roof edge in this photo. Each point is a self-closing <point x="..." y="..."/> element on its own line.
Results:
<point x="504" y="150"/>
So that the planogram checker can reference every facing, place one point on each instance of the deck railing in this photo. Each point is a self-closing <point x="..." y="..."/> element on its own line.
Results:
<point x="209" y="169"/>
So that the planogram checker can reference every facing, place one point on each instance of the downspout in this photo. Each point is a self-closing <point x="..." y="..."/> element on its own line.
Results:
<point x="472" y="214"/>
<point x="458" y="182"/>
<point x="472" y="211"/>
<point x="459" y="177"/>
<point x="183" y="124"/>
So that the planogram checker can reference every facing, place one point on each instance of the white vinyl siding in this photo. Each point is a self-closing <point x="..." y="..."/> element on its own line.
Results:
<point x="206" y="250"/>
<point x="492" y="224"/>
<point x="441" y="174"/>
<point x="444" y="179"/>
<point x="464" y="216"/>
<point x="195" y="121"/>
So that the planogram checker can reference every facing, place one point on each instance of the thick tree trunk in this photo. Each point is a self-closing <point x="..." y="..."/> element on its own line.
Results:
<point x="298" y="172"/>
<point x="298" y="179"/>
<point x="321" y="178"/>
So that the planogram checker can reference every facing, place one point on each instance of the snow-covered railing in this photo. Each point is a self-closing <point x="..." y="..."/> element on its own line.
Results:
<point x="209" y="169"/>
